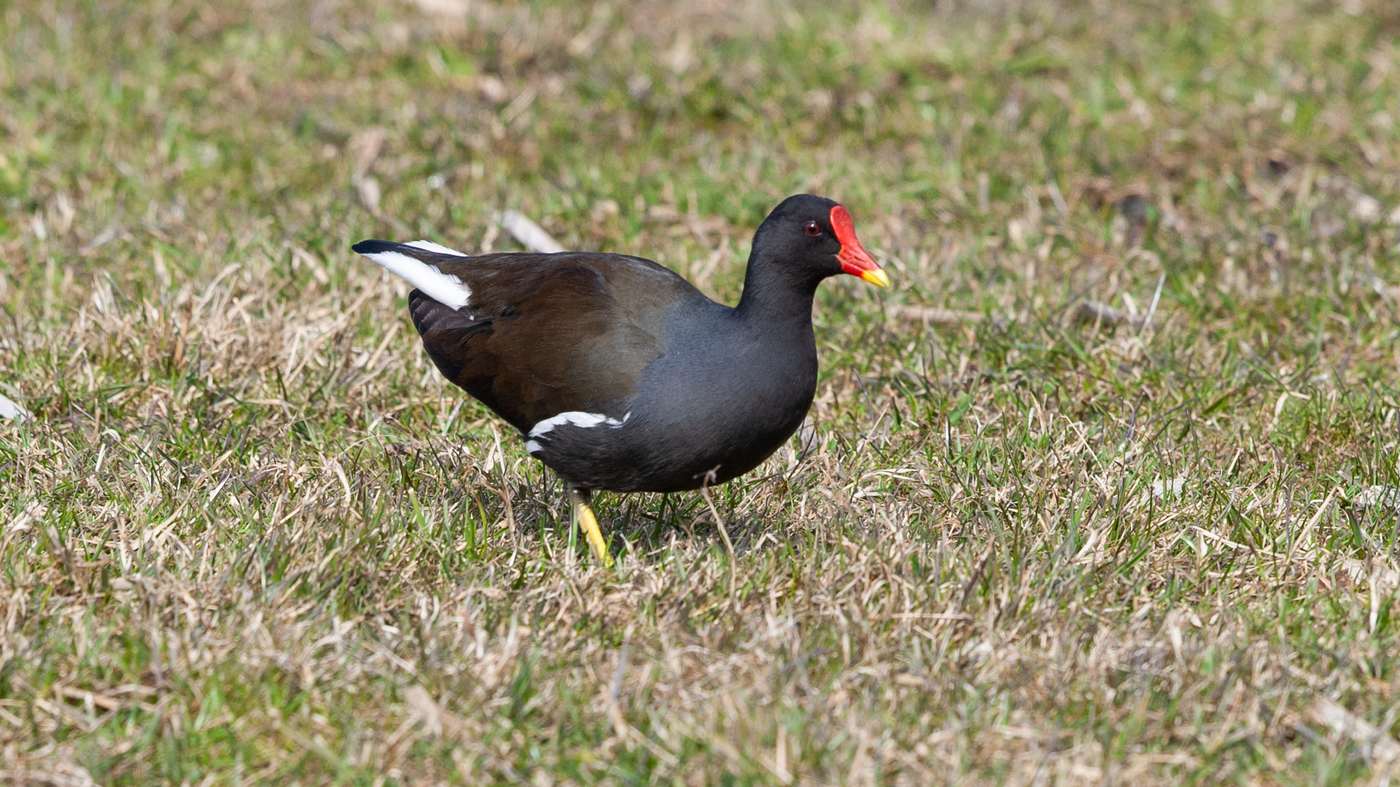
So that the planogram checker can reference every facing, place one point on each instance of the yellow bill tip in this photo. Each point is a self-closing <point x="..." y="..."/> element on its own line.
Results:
<point x="875" y="276"/>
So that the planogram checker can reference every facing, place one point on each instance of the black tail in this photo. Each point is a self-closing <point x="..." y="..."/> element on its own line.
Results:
<point x="376" y="246"/>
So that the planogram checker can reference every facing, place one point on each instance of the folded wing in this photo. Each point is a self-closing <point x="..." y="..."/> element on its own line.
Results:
<point x="535" y="335"/>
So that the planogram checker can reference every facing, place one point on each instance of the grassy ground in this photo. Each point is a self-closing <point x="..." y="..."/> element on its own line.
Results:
<point x="249" y="534"/>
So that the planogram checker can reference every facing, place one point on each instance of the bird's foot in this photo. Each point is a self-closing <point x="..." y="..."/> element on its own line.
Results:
<point x="588" y="523"/>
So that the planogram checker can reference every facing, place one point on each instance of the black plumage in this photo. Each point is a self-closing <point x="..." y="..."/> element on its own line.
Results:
<point x="618" y="373"/>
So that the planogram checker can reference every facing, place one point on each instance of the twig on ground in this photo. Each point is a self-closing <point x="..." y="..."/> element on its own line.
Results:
<point x="1096" y="312"/>
<point x="530" y="234"/>
<point x="1383" y="497"/>
<point x="10" y="409"/>
<point x="940" y="316"/>
<point x="1152" y="308"/>
<point x="1085" y="311"/>
<point x="1375" y="743"/>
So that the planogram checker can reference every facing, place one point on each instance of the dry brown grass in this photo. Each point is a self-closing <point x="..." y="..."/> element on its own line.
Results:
<point x="254" y="537"/>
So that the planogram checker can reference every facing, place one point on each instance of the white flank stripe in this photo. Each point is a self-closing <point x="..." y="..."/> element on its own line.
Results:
<point x="576" y="418"/>
<point x="427" y="245"/>
<point x="446" y="290"/>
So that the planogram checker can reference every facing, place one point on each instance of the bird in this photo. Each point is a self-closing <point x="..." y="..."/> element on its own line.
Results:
<point x="619" y="374"/>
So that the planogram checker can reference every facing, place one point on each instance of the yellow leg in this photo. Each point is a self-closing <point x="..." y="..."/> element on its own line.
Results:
<point x="588" y="523"/>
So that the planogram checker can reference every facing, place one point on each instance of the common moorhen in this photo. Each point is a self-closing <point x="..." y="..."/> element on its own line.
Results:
<point x="618" y="373"/>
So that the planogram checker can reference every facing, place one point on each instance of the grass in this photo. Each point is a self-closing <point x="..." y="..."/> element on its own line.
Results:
<point x="250" y="535"/>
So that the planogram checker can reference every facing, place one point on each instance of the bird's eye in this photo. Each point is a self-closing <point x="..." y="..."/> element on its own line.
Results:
<point x="812" y="228"/>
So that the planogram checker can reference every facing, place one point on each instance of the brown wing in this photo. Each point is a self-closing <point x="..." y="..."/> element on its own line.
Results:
<point x="548" y="333"/>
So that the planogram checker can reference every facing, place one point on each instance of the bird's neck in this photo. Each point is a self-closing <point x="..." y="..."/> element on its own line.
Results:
<point x="774" y="297"/>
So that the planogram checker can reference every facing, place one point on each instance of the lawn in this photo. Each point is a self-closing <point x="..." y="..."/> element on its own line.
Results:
<point x="1102" y="489"/>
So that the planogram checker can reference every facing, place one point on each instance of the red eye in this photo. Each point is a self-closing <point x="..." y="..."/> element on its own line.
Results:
<point x="812" y="228"/>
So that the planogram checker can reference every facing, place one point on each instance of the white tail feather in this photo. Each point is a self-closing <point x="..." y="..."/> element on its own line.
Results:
<point x="441" y="287"/>
<point x="427" y="245"/>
